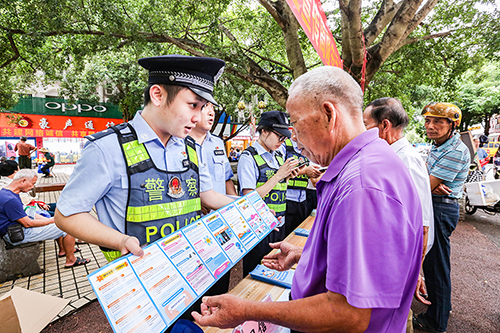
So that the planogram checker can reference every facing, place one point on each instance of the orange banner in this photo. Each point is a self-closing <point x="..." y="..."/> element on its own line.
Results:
<point x="54" y="126"/>
<point x="312" y="19"/>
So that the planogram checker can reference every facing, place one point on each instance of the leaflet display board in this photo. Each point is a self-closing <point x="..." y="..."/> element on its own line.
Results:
<point x="148" y="293"/>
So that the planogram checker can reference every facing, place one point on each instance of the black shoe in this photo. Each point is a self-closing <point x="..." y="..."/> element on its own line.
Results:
<point x="421" y="323"/>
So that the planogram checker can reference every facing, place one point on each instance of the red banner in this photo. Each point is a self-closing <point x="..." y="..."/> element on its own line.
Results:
<point x="54" y="126"/>
<point x="312" y="19"/>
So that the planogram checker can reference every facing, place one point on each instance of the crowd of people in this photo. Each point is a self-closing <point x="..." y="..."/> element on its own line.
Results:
<point x="383" y="221"/>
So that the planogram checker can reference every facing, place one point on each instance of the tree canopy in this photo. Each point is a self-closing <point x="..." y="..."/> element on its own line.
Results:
<point x="78" y="41"/>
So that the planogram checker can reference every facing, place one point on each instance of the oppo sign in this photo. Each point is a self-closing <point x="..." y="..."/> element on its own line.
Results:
<point x="79" y="107"/>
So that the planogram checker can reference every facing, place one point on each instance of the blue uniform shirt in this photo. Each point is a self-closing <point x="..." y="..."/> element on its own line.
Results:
<point x="213" y="156"/>
<point x="293" y="194"/>
<point x="248" y="172"/>
<point x="100" y="176"/>
<point x="450" y="162"/>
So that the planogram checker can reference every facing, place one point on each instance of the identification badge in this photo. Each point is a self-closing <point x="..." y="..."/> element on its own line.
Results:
<point x="185" y="163"/>
<point x="218" y="152"/>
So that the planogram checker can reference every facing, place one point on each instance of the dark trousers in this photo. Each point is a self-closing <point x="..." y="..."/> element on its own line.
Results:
<point x="24" y="162"/>
<point x="437" y="265"/>
<point x="312" y="200"/>
<point x="296" y="213"/>
<point x="45" y="170"/>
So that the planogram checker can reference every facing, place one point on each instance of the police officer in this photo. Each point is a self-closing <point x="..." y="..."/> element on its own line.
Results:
<point x="296" y="194"/>
<point x="143" y="177"/>
<point x="213" y="155"/>
<point x="263" y="167"/>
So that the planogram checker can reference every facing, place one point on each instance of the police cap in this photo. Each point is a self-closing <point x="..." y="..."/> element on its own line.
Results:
<point x="276" y="120"/>
<point x="196" y="73"/>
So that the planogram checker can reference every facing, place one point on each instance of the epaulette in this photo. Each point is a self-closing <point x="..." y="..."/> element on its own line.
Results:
<point x="106" y="132"/>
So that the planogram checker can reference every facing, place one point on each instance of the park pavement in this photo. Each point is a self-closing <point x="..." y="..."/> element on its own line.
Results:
<point x="475" y="276"/>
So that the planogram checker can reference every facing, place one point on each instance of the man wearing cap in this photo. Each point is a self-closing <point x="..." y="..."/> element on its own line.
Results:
<point x="24" y="151"/>
<point x="262" y="167"/>
<point x="447" y="164"/>
<point x="144" y="177"/>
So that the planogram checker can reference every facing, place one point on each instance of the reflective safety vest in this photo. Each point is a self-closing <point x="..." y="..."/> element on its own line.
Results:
<point x="159" y="202"/>
<point x="299" y="182"/>
<point x="276" y="198"/>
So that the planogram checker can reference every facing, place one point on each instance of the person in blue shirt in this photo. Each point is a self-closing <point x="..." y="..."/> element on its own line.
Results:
<point x="212" y="153"/>
<point x="262" y="167"/>
<point x="213" y="156"/>
<point x="143" y="177"/>
<point x="447" y="164"/>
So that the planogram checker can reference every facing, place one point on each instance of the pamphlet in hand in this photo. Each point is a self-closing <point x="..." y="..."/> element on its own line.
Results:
<point x="264" y="274"/>
<point x="149" y="293"/>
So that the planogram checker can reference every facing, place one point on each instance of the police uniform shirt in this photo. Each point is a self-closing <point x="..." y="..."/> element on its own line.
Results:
<point x="100" y="176"/>
<point x="213" y="156"/>
<point x="293" y="194"/>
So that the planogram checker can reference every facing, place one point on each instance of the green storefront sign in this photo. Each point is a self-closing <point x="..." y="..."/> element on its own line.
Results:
<point x="62" y="107"/>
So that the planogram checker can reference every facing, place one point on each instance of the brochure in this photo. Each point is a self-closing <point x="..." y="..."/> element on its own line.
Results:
<point x="264" y="274"/>
<point x="302" y="232"/>
<point x="148" y="293"/>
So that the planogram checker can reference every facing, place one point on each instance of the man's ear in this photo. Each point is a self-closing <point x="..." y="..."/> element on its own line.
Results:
<point x="331" y="114"/>
<point x="386" y="125"/>
<point x="156" y="92"/>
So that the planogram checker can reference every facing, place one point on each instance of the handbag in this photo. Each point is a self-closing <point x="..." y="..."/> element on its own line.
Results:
<point x="16" y="233"/>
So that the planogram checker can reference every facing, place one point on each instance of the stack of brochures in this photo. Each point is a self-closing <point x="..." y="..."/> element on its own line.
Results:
<point x="264" y="274"/>
<point x="302" y="232"/>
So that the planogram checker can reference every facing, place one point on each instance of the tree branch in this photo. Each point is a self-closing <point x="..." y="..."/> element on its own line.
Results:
<point x="271" y="9"/>
<point x="418" y="39"/>
<point x="383" y="17"/>
<point x="14" y="49"/>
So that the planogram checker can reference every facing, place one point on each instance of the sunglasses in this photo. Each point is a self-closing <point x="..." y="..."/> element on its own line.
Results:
<point x="281" y="138"/>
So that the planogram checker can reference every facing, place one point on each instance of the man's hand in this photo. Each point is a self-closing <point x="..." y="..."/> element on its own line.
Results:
<point x="287" y="256"/>
<point x="421" y="289"/>
<point x="132" y="245"/>
<point x="312" y="171"/>
<point x="225" y="311"/>
<point x="441" y="189"/>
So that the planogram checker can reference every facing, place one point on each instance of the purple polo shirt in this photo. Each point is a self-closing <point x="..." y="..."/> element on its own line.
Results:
<point x="366" y="242"/>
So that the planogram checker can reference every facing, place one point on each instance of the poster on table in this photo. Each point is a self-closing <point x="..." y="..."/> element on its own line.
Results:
<point x="148" y="293"/>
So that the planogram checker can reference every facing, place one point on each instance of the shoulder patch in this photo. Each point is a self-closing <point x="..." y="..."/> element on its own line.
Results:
<point x="106" y="132"/>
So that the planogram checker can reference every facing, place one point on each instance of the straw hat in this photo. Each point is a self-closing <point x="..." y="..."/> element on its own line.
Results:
<point x="44" y="150"/>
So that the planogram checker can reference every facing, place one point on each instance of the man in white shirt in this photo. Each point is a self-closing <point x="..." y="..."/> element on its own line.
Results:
<point x="389" y="116"/>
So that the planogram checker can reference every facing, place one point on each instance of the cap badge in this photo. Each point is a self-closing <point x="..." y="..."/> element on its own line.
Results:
<point x="171" y="78"/>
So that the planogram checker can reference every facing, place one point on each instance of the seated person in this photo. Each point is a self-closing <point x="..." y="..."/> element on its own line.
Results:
<point x="8" y="170"/>
<point x="37" y="229"/>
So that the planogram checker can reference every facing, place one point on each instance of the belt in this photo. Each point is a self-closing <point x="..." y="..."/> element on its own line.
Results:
<point x="445" y="200"/>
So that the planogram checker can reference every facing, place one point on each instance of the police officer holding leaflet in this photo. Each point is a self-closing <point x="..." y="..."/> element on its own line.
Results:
<point x="262" y="167"/>
<point x="144" y="177"/>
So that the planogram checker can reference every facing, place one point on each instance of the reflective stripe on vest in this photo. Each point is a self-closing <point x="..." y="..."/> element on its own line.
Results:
<point x="135" y="152"/>
<point x="299" y="182"/>
<point x="163" y="210"/>
<point x="111" y="255"/>
<point x="276" y="198"/>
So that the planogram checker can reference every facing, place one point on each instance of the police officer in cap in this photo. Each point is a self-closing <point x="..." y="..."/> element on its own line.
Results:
<point x="263" y="167"/>
<point x="144" y="177"/>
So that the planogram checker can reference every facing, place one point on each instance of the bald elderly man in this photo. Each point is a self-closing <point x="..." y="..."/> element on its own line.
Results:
<point x="359" y="267"/>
